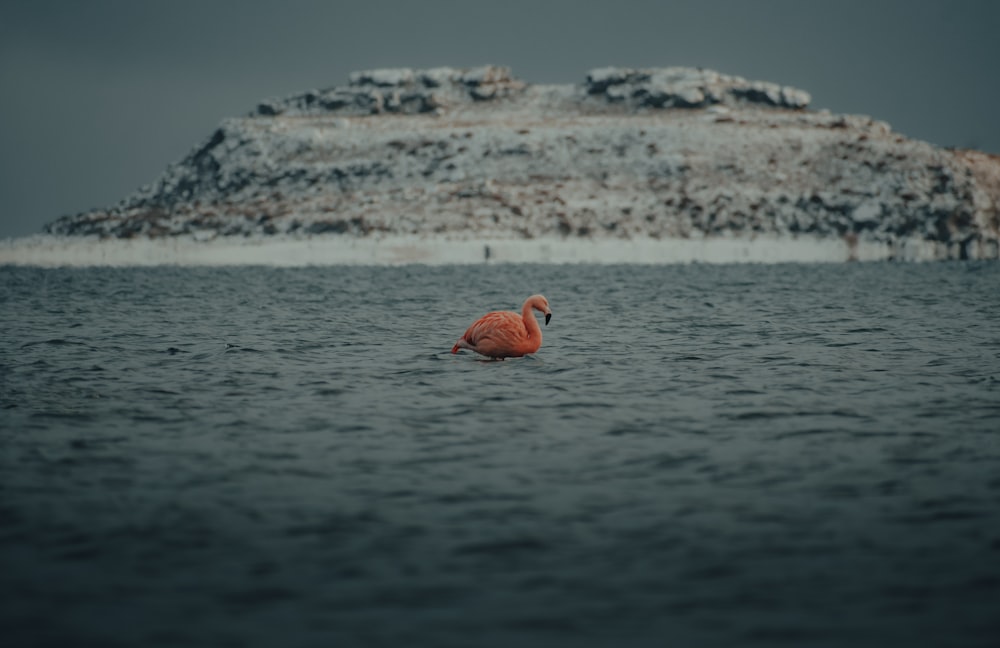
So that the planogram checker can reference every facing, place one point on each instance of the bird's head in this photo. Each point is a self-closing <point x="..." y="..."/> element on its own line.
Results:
<point x="539" y="303"/>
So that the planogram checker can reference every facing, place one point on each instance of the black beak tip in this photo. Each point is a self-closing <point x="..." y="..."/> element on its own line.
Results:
<point x="548" y="316"/>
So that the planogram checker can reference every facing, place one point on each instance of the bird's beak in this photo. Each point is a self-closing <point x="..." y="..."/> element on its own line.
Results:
<point x="548" y="316"/>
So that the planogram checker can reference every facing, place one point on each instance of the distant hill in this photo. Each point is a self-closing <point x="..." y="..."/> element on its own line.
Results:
<point x="633" y="154"/>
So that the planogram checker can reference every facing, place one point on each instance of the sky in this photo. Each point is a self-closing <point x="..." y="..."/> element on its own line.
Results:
<point x="98" y="97"/>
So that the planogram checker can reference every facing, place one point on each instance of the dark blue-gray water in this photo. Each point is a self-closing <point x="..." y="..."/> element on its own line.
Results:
<point x="697" y="456"/>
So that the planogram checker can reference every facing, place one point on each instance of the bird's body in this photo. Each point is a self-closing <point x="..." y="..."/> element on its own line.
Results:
<point x="505" y="334"/>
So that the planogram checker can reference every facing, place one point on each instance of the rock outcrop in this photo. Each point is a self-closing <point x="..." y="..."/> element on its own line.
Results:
<point x="399" y="91"/>
<point x="672" y="152"/>
<point x="688" y="88"/>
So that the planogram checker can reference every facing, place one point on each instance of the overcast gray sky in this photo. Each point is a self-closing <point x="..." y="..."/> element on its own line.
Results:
<point x="98" y="96"/>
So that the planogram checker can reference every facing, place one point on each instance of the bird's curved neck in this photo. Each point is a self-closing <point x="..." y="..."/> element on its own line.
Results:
<point x="530" y="323"/>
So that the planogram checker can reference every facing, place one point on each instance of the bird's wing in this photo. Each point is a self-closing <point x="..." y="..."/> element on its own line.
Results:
<point x="502" y="328"/>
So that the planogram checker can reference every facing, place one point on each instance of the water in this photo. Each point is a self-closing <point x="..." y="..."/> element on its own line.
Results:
<point x="698" y="455"/>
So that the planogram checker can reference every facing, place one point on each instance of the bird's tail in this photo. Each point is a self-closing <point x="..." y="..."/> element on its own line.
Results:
<point x="454" y="349"/>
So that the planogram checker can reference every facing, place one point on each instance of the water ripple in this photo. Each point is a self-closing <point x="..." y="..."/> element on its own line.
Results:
<point x="293" y="456"/>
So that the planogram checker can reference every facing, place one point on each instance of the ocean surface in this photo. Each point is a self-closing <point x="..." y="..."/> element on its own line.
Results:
<point x="698" y="455"/>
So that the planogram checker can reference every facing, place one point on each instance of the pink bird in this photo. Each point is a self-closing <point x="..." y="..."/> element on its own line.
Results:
<point x="504" y="334"/>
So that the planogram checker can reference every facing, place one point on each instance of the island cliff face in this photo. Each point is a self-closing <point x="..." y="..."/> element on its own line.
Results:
<point x="476" y="153"/>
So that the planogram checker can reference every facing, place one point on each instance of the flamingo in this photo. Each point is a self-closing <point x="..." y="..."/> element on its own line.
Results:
<point x="505" y="334"/>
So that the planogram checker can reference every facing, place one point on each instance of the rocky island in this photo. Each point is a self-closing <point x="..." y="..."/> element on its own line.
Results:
<point x="649" y="159"/>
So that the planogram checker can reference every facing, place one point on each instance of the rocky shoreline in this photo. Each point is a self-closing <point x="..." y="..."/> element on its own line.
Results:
<point x="381" y="249"/>
<point x="661" y="154"/>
